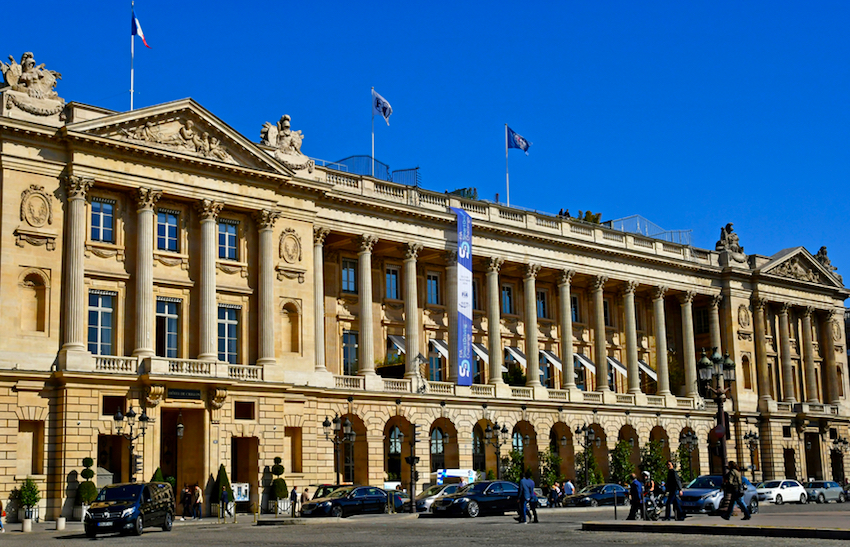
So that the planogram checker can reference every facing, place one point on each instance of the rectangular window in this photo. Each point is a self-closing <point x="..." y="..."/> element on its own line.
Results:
<point x="166" y="230"/>
<point x="228" y="333"/>
<point x="349" y="352"/>
<point x="574" y="308"/>
<point x="542" y="307"/>
<point x="433" y="286"/>
<point x="101" y="312"/>
<point x="435" y="367"/>
<point x="393" y="289"/>
<point x="349" y="276"/>
<point x="701" y="321"/>
<point x="292" y="445"/>
<point x="112" y="404"/>
<point x="606" y="312"/>
<point x="103" y="220"/>
<point x="30" y="447"/>
<point x="167" y="320"/>
<point x="507" y="299"/>
<point x="227" y="240"/>
<point x="475" y="304"/>
<point x="243" y="410"/>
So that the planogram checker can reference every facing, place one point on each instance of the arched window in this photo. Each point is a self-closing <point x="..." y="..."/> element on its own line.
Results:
<point x="517" y="441"/>
<point x="745" y="369"/>
<point x="395" y="440"/>
<point x="394" y="454"/>
<point x="33" y="297"/>
<point x="290" y="329"/>
<point x="438" y="449"/>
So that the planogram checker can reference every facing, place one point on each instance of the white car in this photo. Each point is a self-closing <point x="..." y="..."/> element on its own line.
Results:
<point x="781" y="491"/>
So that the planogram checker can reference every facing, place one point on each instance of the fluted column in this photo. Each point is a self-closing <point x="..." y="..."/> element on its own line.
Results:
<point x="494" y="335"/>
<point x="809" y="357"/>
<point x="208" y="343"/>
<point x="75" y="242"/>
<point x="265" y="295"/>
<point x="631" y="336"/>
<point x="366" y="366"/>
<point x="714" y="321"/>
<point x="568" y="375"/>
<point x="828" y="329"/>
<point x="146" y="199"/>
<point x="599" y="334"/>
<point x="532" y="369"/>
<point x="762" y="375"/>
<point x="319" y="235"/>
<point x="687" y="301"/>
<point x="661" y="341"/>
<point x="785" y="348"/>
<point x="451" y="308"/>
<point x="411" y="311"/>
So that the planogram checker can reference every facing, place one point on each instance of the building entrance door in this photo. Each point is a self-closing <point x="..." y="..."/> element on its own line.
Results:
<point x="183" y="458"/>
<point x="245" y="465"/>
<point x="837" y="460"/>
<point x="814" y="469"/>
<point x="113" y="454"/>
<point x="790" y="463"/>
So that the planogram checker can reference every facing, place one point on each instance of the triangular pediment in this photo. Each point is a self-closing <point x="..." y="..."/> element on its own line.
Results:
<point x="182" y="127"/>
<point x="797" y="263"/>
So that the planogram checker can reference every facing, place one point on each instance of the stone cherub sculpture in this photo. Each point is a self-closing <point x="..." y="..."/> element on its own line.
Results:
<point x="28" y="78"/>
<point x="287" y="144"/>
<point x="730" y="246"/>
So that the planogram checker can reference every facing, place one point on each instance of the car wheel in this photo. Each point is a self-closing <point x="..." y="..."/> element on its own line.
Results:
<point x="594" y="503"/>
<point x="91" y="531"/>
<point x="841" y="497"/>
<point x="138" y="526"/>
<point x="168" y="523"/>
<point x="778" y="499"/>
<point x="625" y="502"/>
<point x="754" y="505"/>
<point x="821" y="498"/>
<point x="386" y="508"/>
<point x="337" y="512"/>
<point x="472" y="509"/>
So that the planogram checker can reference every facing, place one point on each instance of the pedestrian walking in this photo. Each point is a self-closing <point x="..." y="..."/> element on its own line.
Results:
<point x="673" y="487"/>
<point x="734" y="484"/>
<point x="186" y="501"/>
<point x="305" y="496"/>
<point x="533" y="503"/>
<point x="2" y="514"/>
<point x="293" y="500"/>
<point x="225" y="501"/>
<point x="636" y="499"/>
<point x="197" y="503"/>
<point x="569" y="489"/>
<point x="526" y="493"/>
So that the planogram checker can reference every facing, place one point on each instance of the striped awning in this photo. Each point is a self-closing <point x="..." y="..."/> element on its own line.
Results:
<point x="585" y="362"/>
<point x="648" y="371"/>
<point x="397" y="341"/>
<point x="441" y="346"/>
<point x="552" y="358"/>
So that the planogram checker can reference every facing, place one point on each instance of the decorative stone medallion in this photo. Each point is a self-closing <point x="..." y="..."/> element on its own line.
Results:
<point x="743" y="316"/>
<point x="36" y="208"/>
<point x="290" y="246"/>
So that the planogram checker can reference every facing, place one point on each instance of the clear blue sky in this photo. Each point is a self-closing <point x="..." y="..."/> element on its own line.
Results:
<point x="692" y="114"/>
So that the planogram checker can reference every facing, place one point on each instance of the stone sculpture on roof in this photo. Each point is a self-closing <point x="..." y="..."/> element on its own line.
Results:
<point x="30" y="87"/>
<point x="827" y="263"/>
<point x="287" y="144"/>
<point x="181" y="135"/>
<point x="731" y="251"/>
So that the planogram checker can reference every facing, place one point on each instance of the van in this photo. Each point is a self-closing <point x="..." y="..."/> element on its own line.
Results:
<point x="130" y="507"/>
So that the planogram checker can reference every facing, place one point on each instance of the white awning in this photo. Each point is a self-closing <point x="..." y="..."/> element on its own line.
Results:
<point x="585" y="362"/>
<point x="552" y="358"/>
<point x="441" y="346"/>
<point x="397" y="341"/>
<point x="481" y="352"/>
<point x="618" y="366"/>
<point x="648" y="371"/>
<point x="518" y="355"/>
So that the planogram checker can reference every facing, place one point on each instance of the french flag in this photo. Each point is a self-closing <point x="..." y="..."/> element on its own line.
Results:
<point x="136" y="30"/>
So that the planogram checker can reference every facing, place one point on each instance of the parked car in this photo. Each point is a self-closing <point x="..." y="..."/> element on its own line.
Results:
<point x="704" y="494"/>
<point x="780" y="491"/>
<point x="542" y="499"/>
<point x="350" y="500"/>
<point x="324" y="490"/>
<point x="425" y="499"/>
<point x="401" y="500"/>
<point x="597" y="494"/>
<point x="493" y="497"/>
<point x="825" y="491"/>
<point x="130" y="507"/>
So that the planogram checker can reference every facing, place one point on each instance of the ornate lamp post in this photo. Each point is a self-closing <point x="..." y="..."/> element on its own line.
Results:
<point x="721" y="370"/>
<point x="752" y="440"/>
<point x="496" y="437"/>
<point x="134" y="431"/>
<point x="690" y="442"/>
<point x="332" y="433"/>
<point x="586" y="436"/>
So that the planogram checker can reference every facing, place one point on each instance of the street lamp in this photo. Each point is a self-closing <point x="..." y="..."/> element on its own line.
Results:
<point x="332" y="433"/>
<point x="721" y="370"/>
<point x="752" y="440"/>
<point x="496" y="437"/>
<point x="586" y="436"/>
<point x="134" y="431"/>
<point x="690" y="442"/>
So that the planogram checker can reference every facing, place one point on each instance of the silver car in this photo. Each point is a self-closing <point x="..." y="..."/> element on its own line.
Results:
<point x="825" y="491"/>
<point x="425" y="499"/>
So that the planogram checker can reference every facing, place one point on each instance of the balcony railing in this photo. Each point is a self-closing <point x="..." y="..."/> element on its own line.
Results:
<point x="349" y="382"/>
<point x="109" y="363"/>
<point x="391" y="384"/>
<point x="522" y="393"/>
<point x="654" y="400"/>
<point x="443" y="388"/>
<point x="483" y="390"/>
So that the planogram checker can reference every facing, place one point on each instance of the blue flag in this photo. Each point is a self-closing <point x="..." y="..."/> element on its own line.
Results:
<point x="515" y="140"/>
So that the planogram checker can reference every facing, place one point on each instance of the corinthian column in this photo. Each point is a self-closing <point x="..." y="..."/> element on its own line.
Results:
<point x="411" y="311"/>
<point x="208" y="346"/>
<point x="631" y="336"/>
<point x="661" y="341"/>
<point x="494" y="335"/>
<point x="762" y="376"/>
<point x="714" y="321"/>
<point x="265" y="295"/>
<point x="319" y="235"/>
<point x="366" y="366"/>
<point x="687" y="301"/>
<point x="599" y="334"/>
<point x="532" y="369"/>
<point x="75" y="242"/>
<point x="828" y="328"/>
<point x="146" y="199"/>
<point x="451" y="308"/>
<point x="785" y="348"/>
<point x="568" y="375"/>
<point x="809" y="357"/>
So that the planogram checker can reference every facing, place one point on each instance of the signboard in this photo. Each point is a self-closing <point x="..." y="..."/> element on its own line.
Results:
<point x="193" y="394"/>
<point x="464" y="297"/>
<point x="241" y="491"/>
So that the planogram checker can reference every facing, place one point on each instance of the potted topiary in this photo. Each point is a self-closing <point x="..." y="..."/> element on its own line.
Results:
<point x="222" y="483"/>
<point x="279" y="489"/>
<point x="29" y="497"/>
<point x="86" y="491"/>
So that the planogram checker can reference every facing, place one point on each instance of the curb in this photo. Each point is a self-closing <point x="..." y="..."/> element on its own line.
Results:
<point x="330" y="520"/>
<point x="719" y="530"/>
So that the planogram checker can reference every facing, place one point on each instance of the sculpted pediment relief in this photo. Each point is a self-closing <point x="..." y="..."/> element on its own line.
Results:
<point x="798" y="264"/>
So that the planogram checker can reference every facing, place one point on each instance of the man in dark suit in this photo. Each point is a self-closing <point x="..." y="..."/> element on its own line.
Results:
<point x="673" y="487"/>
<point x="636" y="499"/>
<point x="526" y="494"/>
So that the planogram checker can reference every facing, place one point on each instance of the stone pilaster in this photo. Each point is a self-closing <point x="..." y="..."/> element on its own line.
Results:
<point x="366" y="366"/>
<point x="762" y="375"/>
<point x="208" y="211"/>
<point x="809" y="357"/>
<point x="686" y="300"/>
<point x="146" y="199"/>
<point x="599" y="335"/>
<point x="714" y="321"/>
<point x="532" y="371"/>
<point x="568" y="376"/>
<point x="75" y="242"/>
<point x="319" y="235"/>
<point x="265" y="220"/>
<point x="631" y="336"/>
<point x="411" y="311"/>
<point x="827" y="329"/>
<point x="494" y="336"/>
<point x="785" y="354"/>
<point x="451" y="308"/>
<point x="661" y="341"/>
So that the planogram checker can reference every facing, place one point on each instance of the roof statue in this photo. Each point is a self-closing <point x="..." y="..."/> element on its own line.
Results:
<point x="730" y="248"/>
<point x="827" y="263"/>
<point x="30" y="87"/>
<point x="287" y="144"/>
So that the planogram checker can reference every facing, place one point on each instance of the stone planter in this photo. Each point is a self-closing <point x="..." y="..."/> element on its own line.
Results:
<point x="27" y="527"/>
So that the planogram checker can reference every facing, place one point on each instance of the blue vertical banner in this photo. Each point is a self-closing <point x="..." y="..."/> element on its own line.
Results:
<point x="464" y="297"/>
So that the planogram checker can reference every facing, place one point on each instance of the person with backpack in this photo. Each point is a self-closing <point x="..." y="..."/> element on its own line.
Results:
<point x="734" y="485"/>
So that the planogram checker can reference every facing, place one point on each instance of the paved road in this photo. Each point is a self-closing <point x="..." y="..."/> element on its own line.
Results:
<point x="558" y="527"/>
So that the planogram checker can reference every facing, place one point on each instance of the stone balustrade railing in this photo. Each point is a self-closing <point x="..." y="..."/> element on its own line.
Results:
<point x="111" y="363"/>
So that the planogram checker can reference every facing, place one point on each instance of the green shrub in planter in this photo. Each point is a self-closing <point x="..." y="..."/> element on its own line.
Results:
<point x="29" y="494"/>
<point x="281" y="492"/>
<point x="222" y="481"/>
<point x="157" y="475"/>
<point x="87" y="491"/>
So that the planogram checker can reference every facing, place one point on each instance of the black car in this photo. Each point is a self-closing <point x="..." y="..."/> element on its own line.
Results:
<point x="350" y="500"/>
<point x="324" y="490"/>
<point x="597" y="494"/>
<point x="488" y="497"/>
<point x="131" y="507"/>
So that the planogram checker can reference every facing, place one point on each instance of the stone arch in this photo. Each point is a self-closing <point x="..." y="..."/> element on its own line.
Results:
<point x="561" y="443"/>
<point x="398" y="437"/>
<point x="354" y="456"/>
<point x="600" y="449"/>
<point x="523" y="429"/>
<point x="443" y="445"/>
<point x="693" y="460"/>
<point x="290" y="327"/>
<point x="34" y="298"/>
<point x="659" y="434"/>
<point x="630" y="434"/>
<point x="485" y="456"/>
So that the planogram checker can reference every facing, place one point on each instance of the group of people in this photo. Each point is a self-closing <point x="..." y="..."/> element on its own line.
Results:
<point x="643" y="493"/>
<point x="295" y="499"/>
<point x="192" y="500"/>
<point x="559" y="491"/>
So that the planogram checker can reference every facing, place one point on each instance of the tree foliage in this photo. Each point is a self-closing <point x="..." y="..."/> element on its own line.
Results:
<point x="550" y="467"/>
<point x="158" y="476"/>
<point x="221" y="481"/>
<point x="594" y="474"/>
<point x="686" y="472"/>
<point x="29" y="494"/>
<point x="512" y="466"/>
<point x="621" y="462"/>
<point x="652" y="460"/>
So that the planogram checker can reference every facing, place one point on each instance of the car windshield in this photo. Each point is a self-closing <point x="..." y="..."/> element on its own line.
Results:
<point x="128" y="492"/>
<point x="770" y="484"/>
<point x="341" y="493"/>
<point x="707" y="482"/>
<point x="592" y="489"/>
<point x="430" y="492"/>
<point x="475" y="488"/>
<point x="815" y="485"/>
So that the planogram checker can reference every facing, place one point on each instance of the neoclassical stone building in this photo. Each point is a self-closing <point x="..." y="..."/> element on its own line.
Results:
<point x="158" y="260"/>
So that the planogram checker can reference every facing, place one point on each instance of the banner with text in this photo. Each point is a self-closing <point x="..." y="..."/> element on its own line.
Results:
<point x="464" y="297"/>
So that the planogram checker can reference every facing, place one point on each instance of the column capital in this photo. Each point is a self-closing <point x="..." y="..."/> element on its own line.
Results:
<point x="77" y="187"/>
<point x="630" y="287"/>
<point x="687" y="297"/>
<point x="659" y="292"/>
<point x="451" y="257"/>
<point x="829" y="315"/>
<point x="412" y="250"/>
<point x="715" y="300"/>
<point x="319" y="235"/>
<point x="599" y="282"/>
<point x="366" y="242"/>
<point x="495" y="264"/>
<point x="265" y="218"/>
<point x="759" y="303"/>
<point x="566" y="276"/>
<point x="808" y="311"/>
<point x="784" y="307"/>
<point x="531" y="271"/>
<point x="146" y="198"/>
<point x="209" y="209"/>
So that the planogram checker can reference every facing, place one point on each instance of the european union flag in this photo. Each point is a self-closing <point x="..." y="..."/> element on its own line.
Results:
<point x="515" y="140"/>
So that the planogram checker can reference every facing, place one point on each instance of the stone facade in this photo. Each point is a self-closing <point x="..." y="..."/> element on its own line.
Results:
<point x="158" y="260"/>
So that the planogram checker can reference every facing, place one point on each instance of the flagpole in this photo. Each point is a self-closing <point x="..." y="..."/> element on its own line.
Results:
<point x="507" y="177"/>
<point x="132" y="53"/>
<point x="373" y="132"/>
